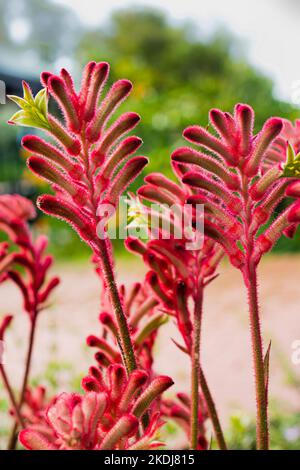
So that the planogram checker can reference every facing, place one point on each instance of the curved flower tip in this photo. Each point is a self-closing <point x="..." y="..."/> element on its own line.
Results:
<point x="293" y="190"/>
<point x="34" y="440"/>
<point x="4" y="324"/>
<point x="294" y="213"/>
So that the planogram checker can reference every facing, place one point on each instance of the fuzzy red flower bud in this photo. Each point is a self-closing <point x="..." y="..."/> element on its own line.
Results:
<point x="200" y="136"/>
<point x="137" y="379"/>
<point x="200" y="181"/>
<point x="71" y="144"/>
<point x="270" y="131"/>
<point x="124" y="124"/>
<point x="191" y="156"/>
<point x="125" y="427"/>
<point x="135" y="245"/>
<point x="86" y="80"/>
<point x="245" y="119"/>
<point x="97" y="81"/>
<point x="6" y="321"/>
<point x="45" y="77"/>
<point x="261" y="186"/>
<point x="43" y="295"/>
<point x="64" y="210"/>
<point x="157" y="386"/>
<point x="43" y="168"/>
<point x="128" y="173"/>
<point x="158" y="179"/>
<point x="114" y="98"/>
<point x="293" y="189"/>
<point x="294" y="213"/>
<point x="40" y="147"/>
<point x="58" y="89"/>
<point x="124" y="150"/>
<point x="220" y="123"/>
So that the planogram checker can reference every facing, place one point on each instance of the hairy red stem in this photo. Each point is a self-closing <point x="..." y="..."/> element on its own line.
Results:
<point x="212" y="411"/>
<point x="262" y="432"/>
<point x="198" y="378"/>
<point x="11" y="396"/>
<point x="124" y="338"/>
<point x="13" y="436"/>
<point x="250" y="279"/>
<point x="195" y="366"/>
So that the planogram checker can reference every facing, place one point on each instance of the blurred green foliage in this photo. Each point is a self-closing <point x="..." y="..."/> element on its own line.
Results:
<point x="284" y="430"/>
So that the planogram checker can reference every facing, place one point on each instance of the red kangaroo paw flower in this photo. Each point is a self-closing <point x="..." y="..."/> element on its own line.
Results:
<point x="262" y="185"/>
<point x="71" y="144"/>
<point x="152" y="193"/>
<point x="191" y="156"/>
<point x="270" y="131"/>
<point x="41" y="167"/>
<point x="136" y="381"/>
<point x="158" y="291"/>
<point x="64" y="210"/>
<point x="294" y="213"/>
<point x="135" y="245"/>
<point x="125" y="427"/>
<point x="128" y="173"/>
<point x="34" y="440"/>
<point x="222" y="125"/>
<point x="67" y="78"/>
<point x="293" y="189"/>
<point x="122" y="126"/>
<point x="200" y="136"/>
<point x="95" y="342"/>
<point x="200" y="181"/>
<point x="40" y="147"/>
<point x="117" y="381"/>
<point x="45" y="77"/>
<point x="44" y="294"/>
<point x="126" y="148"/>
<point x="161" y="181"/>
<point x="5" y="322"/>
<point x="245" y="118"/>
<point x="85" y="83"/>
<point x="114" y="98"/>
<point x="157" y="386"/>
<point x="59" y="90"/>
<point x="97" y="81"/>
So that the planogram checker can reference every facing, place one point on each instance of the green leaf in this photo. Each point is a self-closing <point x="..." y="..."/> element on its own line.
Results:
<point x="33" y="111"/>
<point x="27" y="92"/>
<point x="41" y="101"/>
<point x="151" y="326"/>
<point x="292" y="164"/>
<point x="266" y="368"/>
<point x="18" y="100"/>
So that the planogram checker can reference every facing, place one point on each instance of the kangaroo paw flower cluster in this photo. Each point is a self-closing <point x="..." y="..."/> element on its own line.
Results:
<point x="226" y="202"/>
<point x="91" y="164"/>
<point x="27" y="266"/>
<point x="232" y="176"/>
<point x="106" y="417"/>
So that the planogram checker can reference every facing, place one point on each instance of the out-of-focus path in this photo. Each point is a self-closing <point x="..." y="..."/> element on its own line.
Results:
<point x="226" y="355"/>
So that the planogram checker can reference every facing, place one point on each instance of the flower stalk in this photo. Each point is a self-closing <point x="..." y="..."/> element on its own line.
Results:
<point x="262" y="431"/>
<point x="195" y="366"/>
